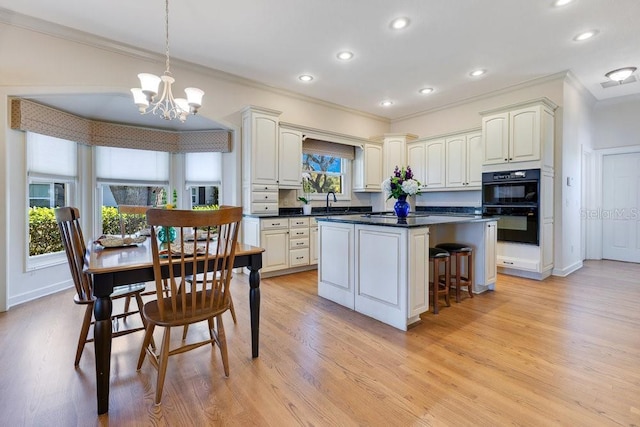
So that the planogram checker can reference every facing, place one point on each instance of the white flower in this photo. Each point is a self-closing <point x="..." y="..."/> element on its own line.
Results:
<point x="306" y="175"/>
<point x="386" y="186"/>
<point x="410" y="186"/>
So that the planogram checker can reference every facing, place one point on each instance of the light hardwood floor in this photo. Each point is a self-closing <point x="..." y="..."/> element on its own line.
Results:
<point x="565" y="351"/>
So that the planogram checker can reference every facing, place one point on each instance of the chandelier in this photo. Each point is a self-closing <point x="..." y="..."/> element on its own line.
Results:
<point x="166" y="106"/>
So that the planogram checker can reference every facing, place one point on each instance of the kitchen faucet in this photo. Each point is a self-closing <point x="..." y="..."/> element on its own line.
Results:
<point x="334" y="198"/>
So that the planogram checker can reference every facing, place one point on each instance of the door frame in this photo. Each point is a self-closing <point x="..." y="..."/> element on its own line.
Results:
<point x="592" y="213"/>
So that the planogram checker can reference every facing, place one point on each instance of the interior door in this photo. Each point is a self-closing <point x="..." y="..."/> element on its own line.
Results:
<point x="620" y="207"/>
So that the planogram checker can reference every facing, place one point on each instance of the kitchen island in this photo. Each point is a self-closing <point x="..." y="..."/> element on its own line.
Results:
<point x="378" y="265"/>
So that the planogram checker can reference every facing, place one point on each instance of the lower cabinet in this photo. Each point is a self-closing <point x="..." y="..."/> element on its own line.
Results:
<point x="313" y="243"/>
<point x="286" y="242"/>
<point x="378" y="271"/>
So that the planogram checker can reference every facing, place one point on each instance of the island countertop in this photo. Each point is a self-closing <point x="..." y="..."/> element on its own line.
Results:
<point x="387" y="219"/>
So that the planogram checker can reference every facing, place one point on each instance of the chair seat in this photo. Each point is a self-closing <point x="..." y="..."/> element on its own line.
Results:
<point x="454" y="247"/>
<point x="438" y="253"/>
<point x="152" y="313"/>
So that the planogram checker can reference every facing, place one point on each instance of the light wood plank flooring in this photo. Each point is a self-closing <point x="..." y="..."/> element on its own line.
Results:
<point x="565" y="351"/>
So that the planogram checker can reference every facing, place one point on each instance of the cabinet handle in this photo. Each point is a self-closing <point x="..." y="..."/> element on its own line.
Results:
<point x="275" y="223"/>
<point x="266" y="188"/>
<point x="510" y="158"/>
<point x="506" y="160"/>
<point x="507" y="262"/>
<point x="266" y="197"/>
<point x="299" y="257"/>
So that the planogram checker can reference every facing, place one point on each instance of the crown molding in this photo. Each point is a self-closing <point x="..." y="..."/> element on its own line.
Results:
<point x="509" y="89"/>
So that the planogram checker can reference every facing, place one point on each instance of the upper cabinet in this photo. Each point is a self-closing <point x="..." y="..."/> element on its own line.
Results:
<point x="367" y="168"/>
<point x="521" y="133"/>
<point x="290" y="159"/>
<point x="463" y="167"/>
<point x="260" y="146"/>
<point x="427" y="160"/>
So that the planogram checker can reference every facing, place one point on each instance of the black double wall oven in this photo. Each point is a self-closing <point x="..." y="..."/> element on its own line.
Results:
<point x="513" y="197"/>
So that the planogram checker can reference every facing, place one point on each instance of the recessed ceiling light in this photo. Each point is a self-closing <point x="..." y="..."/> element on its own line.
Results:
<point x="621" y="74"/>
<point x="386" y="103"/>
<point x="585" y="36"/>
<point x="305" y="78"/>
<point x="345" y="55"/>
<point x="426" y="90"/>
<point x="477" y="73"/>
<point x="560" y="3"/>
<point x="399" y="23"/>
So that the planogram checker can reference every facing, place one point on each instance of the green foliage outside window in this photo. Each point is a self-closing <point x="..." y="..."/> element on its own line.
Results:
<point x="44" y="235"/>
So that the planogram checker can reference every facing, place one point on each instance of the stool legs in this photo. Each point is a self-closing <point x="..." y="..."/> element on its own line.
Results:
<point x="461" y="280"/>
<point x="434" y="286"/>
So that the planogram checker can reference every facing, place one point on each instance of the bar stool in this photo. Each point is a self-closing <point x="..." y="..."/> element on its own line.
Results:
<point x="460" y="251"/>
<point x="440" y="285"/>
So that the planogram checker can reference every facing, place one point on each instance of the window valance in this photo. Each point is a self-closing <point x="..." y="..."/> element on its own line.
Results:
<point x="30" y="116"/>
<point x="326" y="148"/>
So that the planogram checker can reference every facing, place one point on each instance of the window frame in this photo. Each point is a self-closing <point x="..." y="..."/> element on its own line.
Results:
<point x="346" y="182"/>
<point x="36" y="262"/>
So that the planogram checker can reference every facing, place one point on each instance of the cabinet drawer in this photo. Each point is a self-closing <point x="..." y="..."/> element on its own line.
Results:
<point x="271" y="223"/>
<point x="264" y="197"/>
<point x="298" y="222"/>
<point x="299" y="243"/>
<point x="265" y="187"/>
<point x="264" y="208"/>
<point x="298" y="257"/>
<point x="297" y="233"/>
<point x="518" y="263"/>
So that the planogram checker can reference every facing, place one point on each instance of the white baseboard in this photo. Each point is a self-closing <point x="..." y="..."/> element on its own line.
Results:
<point x="38" y="293"/>
<point x="564" y="272"/>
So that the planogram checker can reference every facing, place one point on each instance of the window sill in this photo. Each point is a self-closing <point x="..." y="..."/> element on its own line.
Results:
<point x="39" y="262"/>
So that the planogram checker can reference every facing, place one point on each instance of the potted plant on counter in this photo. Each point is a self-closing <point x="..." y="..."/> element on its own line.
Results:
<point x="306" y="187"/>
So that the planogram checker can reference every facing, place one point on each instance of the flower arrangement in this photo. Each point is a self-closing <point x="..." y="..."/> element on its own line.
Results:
<point x="401" y="184"/>
<point x="306" y="188"/>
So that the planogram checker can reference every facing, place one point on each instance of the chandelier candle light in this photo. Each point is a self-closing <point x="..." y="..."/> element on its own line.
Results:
<point x="400" y="185"/>
<point x="167" y="106"/>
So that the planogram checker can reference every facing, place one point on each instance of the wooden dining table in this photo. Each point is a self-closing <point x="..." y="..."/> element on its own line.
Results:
<point x="111" y="267"/>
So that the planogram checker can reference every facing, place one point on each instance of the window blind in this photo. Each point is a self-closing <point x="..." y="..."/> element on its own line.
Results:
<point x="201" y="168"/>
<point x="127" y="164"/>
<point x="47" y="155"/>
<point x="326" y="148"/>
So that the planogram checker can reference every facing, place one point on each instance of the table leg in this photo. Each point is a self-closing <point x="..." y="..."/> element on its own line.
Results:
<point x="254" y="304"/>
<point x="102" y="344"/>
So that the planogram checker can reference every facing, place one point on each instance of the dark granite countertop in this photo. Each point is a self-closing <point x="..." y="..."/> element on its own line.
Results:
<point x="297" y="212"/>
<point x="388" y="219"/>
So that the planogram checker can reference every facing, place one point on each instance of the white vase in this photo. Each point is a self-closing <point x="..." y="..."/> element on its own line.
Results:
<point x="306" y="209"/>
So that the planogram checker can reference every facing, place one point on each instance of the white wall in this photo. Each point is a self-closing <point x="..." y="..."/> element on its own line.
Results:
<point x="617" y="123"/>
<point x="35" y="63"/>
<point x="576" y="134"/>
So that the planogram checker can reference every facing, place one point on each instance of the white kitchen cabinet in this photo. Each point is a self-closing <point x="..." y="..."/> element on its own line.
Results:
<point x="260" y="145"/>
<point x="336" y="263"/>
<point x="313" y="244"/>
<point x="290" y="159"/>
<point x="436" y="166"/>
<point x="522" y="134"/>
<point x="298" y="242"/>
<point x="367" y="168"/>
<point x="259" y="159"/>
<point x="491" y="252"/>
<point x="463" y="165"/>
<point x="274" y="238"/>
<point x="395" y="154"/>
<point x="417" y="159"/>
<point x="427" y="161"/>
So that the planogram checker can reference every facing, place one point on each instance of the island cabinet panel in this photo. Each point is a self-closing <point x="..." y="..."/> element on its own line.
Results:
<point x="336" y="263"/>
<point x="380" y="273"/>
<point x="418" y="268"/>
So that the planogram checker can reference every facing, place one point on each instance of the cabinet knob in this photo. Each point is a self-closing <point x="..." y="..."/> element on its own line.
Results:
<point x="510" y="158"/>
<point x="506" y="160"/>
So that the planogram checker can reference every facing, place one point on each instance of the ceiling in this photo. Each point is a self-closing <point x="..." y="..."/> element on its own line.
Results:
<point x="275" y="41"/>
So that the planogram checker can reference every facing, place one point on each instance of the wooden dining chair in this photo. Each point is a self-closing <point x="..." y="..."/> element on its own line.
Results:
<point x="185" y="305"/>
<point x="68" y="219"/>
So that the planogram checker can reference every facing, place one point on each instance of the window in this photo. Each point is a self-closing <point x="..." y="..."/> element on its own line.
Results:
<point x="329" y="167"/>
<point x="327" y="173"/>
<point x="51" y="176"/>
<point x="128" y="177"/>
<point x="203" y="173"/>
